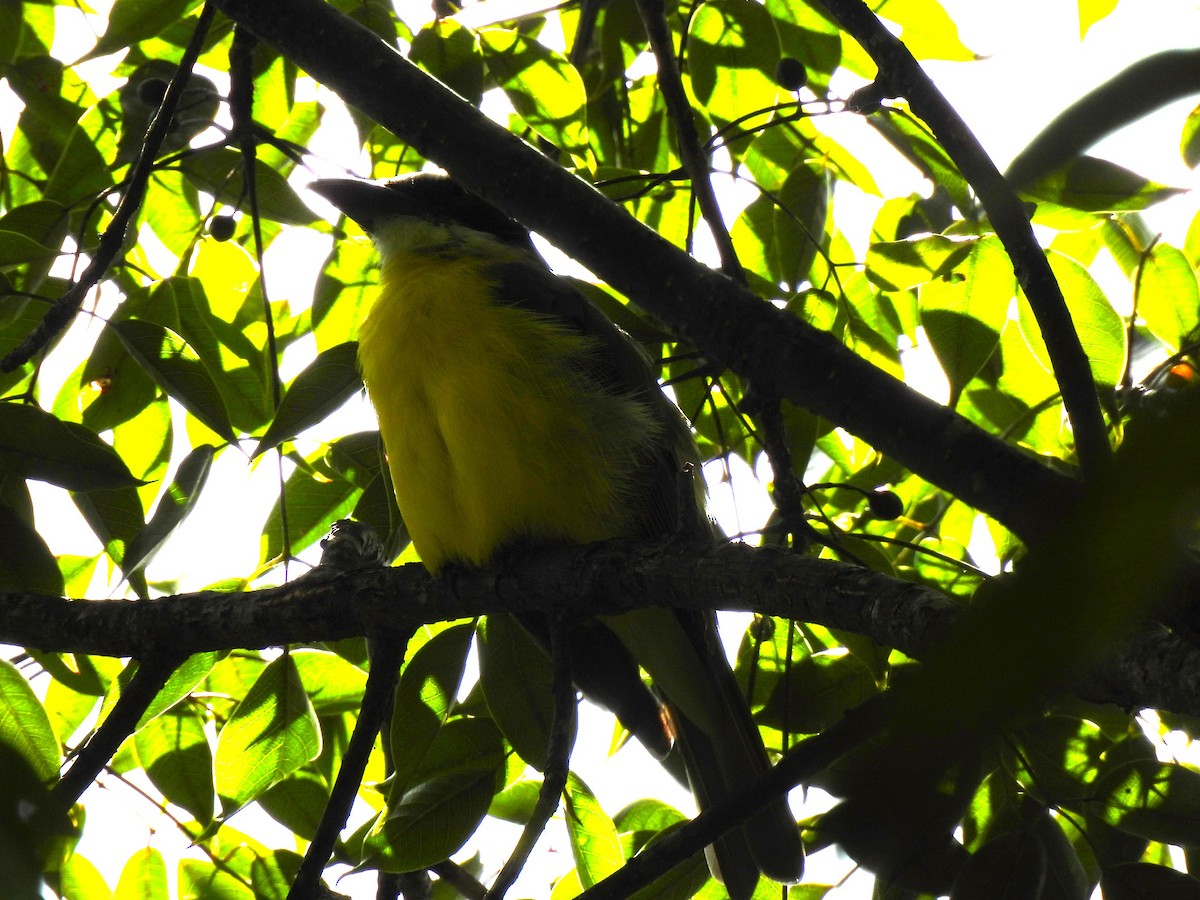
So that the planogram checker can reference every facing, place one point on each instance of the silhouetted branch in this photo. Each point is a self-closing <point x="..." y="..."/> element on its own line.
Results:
<point x="63" y="311"/>
<point x="1155" y="668"/>
<point x="901" y="76"/>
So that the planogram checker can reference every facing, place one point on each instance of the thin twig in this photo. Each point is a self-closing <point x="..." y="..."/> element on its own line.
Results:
<point x="143" y="687"/>
<point x="381" y="682"/>
<point x="558" y="756"/>
<point x="695" y="160"/>
<point x="64" y="310"/>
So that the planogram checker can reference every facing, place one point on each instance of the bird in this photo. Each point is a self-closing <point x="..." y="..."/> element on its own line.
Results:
<point x="514" y="414"/>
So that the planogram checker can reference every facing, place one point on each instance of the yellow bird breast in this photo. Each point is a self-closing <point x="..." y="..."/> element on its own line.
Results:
<point x="493" y="430"/>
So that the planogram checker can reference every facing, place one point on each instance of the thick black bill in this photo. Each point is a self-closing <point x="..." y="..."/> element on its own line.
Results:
<point x="366" y="202"/>
<point x="433" y="198"/>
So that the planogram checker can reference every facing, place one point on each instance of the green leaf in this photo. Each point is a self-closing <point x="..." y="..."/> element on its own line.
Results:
<point x="1168" y="298"/>
<point x="144" y="877"/>
<point x="1055" y="758"/>
<point x="1101" y="330"/>
<point x="778" y="236"/>
<point x="1091" y="12"/>
<point x="272" y="876"/>
<point x="178" y="370"/>
<point x="173" y="508"/>
<point x="1158" y="801"/>
<point x="816" y="691"/>
<point x="356" y="456"/>
<point x="327" y="383"/>
<point x="916" y="143"/>
<point x="313" y="501"/>
<point x="218" y="171"/>
<point x="1064" y="868"/>
<point x="902" y="265"/>
<point x="345" y="290"/>
<point x="203" y="880"/>
<point x="542" y="86"/>
<point x="926" y="29"/>
<point x="116" y="518"/>
<point x="807" y="35"/>
<point x="219" y="329"/>
<point x="109" y="387"/>
<point x="648" y="815"/>
<point x="434" y="817"/>
<point x="131" y="21"/>
<point x="298" y="802"/>
<point x="732" y="52"/>
<point x="516" y="802"/>
<point x="17" y="249"/>
<point x="687" y="880"/>
<point x="26" y="563"/>
<point x="332" y="684"/>
<point x="55" y="98"/>
<point x="174" y="751"/>
<point x="34" y="444"/>
<point x="272" y="733"/>
<point x="1189" y="142"/>
<point x="1146" y="881"/>
<point x="964" y="309"/>
<point x="145" y="442"/>
<point x="424" y="696"/>
<point x="79" y="879"/>
<point x="193" y="671"/>
<point x="518" y="681"/>
<point x="450" y="53"/>
<point x="1012" y="864"/>
<point x="43" y="222"/>
<point x="66" y="709"/>
<point x="24" y="725"/>
<point x="595" y="845"/>
<point x="1096" y="185"/>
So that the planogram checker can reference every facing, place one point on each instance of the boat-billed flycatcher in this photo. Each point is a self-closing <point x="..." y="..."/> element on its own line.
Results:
<point x="513" y="413"/>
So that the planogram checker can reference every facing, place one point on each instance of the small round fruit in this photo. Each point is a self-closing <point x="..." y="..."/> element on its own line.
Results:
<point x="790" y="74"/>
<point x="885" y="504"/>
<point x="222" y="227"/>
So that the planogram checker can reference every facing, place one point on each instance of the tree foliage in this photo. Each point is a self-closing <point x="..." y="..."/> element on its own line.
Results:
<point x="975" y="621"/>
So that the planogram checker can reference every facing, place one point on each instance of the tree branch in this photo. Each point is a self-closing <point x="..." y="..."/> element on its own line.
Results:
<point x="800" y="765"/>
<point x="152" y="673"/>
<point x="695" y="160"/>
<point x="901" y="75"/>
<point x="381" y="683"/>
<point x="59" y="315"/>
<point x="782" y="355"/>
<point x="1154" y="669"/>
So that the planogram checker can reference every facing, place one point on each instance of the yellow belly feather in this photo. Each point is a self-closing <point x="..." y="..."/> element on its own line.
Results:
<point x="492" y="437"/>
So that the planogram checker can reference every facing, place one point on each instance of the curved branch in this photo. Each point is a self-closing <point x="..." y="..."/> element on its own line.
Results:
<point x="113" y="238"/>
<point x="901" y="75"/>
<point x="695" y="160"/>
<point x="1136" y="91"/>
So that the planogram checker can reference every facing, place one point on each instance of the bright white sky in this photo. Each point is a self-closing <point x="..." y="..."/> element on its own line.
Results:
<point x="1036" y="66"/>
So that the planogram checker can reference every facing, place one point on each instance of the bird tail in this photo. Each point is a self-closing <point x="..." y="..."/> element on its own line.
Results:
<point x="767" y="842"/>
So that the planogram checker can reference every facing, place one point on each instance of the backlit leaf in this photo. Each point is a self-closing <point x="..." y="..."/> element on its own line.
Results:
<point x="272" y="733"/>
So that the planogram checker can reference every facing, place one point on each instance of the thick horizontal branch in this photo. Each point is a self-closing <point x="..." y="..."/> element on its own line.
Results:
<point x="775" y="350"/>
<point x="1155" y="669"/>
